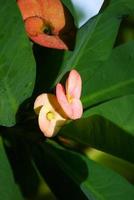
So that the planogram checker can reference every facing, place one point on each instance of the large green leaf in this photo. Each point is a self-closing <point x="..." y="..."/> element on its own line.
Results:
<point x="94" y="43"/>
<point x="93" y="46"/>
<point x="72" y="175"/>
<point x="108" y="127"/>
<point x="17" y="66"/>
<point x="114" y="78"/>
<point x="8" y="188"/>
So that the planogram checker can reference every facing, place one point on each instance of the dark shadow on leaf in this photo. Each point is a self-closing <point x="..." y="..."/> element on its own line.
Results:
<point x="105" y="5"/>
<point x="24" y="173"/>
<point x="48" y="63"/>
<point x="59" y="172"/>
<point x="125" y="33"/>
<point x="68" y="33"/>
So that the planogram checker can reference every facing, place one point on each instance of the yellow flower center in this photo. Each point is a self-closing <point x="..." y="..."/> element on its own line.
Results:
<point x="47" y="29"/>
<point x="69" y="98"/>
<point x="50" y="115"/>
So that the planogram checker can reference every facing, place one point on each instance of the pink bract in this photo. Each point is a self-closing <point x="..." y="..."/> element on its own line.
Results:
<point x="69" y="99"/>
<point x="48" y="23"/>
<point x="51" y="117"/>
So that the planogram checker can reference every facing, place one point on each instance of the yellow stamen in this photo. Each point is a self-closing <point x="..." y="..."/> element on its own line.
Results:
<point x="50" y="115"/>
<point x="69" y="98"/>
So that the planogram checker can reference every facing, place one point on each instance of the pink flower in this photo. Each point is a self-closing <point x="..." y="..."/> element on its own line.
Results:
<point x="54" y="111"/>
<point x="51" y="117"/>
<point x="69" y="98"/>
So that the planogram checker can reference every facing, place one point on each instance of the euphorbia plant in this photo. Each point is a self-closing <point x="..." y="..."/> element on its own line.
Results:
<point x="42" y="114"/>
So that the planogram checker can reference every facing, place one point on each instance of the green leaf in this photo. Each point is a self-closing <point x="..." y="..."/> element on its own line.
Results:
<point x="108" y="127"/>
<point x="88" y="52"/>
<point x="8" y="188"/>
<point x="114" y="79"/>
<point x="72" y="175"/>
<point x="120" y="111"/>
<point x="94" y="43"/>
<point x="17" y="66"/>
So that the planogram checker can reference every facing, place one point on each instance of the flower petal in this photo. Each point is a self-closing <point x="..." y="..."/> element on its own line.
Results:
<point x="77" y="109"/>
<point x="49" y="100"/>
<point x="74" y="84"/>
<point x="29" y="8"/>
<point x="62" y="99"/>
<point x="51" y="41"/>
<point x="53" y="12"/>
<point x="74" y="109"/>
<point x="39" y="102"/>
<point x="34" y="26"/>
<point x="51" y="126"/>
